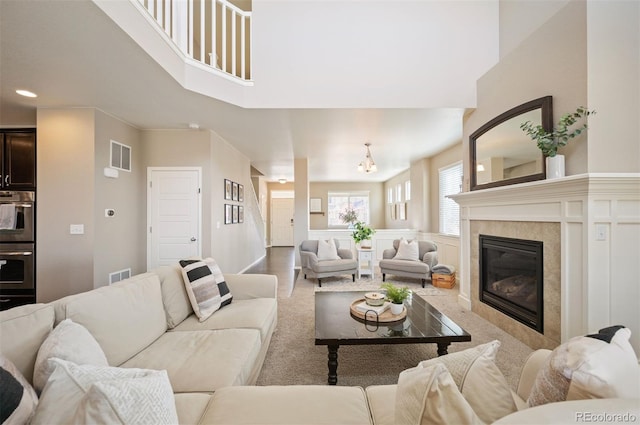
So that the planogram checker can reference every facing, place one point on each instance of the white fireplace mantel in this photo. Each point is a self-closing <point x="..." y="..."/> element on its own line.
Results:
<point x="599" y="216"/>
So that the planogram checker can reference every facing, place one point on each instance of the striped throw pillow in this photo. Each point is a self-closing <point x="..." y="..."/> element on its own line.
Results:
<point x="206" y="287"/>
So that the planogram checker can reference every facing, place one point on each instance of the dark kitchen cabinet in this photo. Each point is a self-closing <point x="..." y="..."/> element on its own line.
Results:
<point x="18" y="159"/>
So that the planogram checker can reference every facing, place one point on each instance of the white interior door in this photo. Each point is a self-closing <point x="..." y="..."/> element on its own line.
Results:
<point x="173" y="215"/>
<point x="282" y="222"/>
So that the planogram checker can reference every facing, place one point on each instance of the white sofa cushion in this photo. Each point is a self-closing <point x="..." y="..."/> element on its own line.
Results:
<point x="479" y="380"/>
<point x="191" y="407"/>
<point x="68" y="341"/>
<point x="124" y="318"/>
<point x="257" y="313"/>
<point x="203" y="361"/>
<point x="18" y="398"/>
<point x="22" y="331"/>
<point x="379" y="398"/>
<point x="174" y="294"/>
<point x="602" y="365"/>
<point x="429" y="396"/>
<point x="288" y="405"/>
<point x="70" y="396"/>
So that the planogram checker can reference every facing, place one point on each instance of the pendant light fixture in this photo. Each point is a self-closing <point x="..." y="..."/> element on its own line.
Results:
<point x="367" y="165"/>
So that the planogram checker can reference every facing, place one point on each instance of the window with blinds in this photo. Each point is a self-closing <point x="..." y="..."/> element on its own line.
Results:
<point x="450" y="182"/>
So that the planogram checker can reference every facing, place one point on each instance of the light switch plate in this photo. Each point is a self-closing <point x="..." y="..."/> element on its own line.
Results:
<point x="76" y="229"/>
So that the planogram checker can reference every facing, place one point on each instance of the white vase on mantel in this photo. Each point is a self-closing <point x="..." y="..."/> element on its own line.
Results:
<point x="555" y="167"/>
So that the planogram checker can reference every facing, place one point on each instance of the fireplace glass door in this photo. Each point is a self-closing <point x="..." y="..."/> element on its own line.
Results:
<point x="511" y="278"/>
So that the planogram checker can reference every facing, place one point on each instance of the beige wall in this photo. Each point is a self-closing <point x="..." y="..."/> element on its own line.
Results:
<point x="73" y="149"/>
<point x="377" y="201"/>
<point x="234" y="246"/>
<point x="182" y="148"/>
<point x="119" y="240"/>
<point x="65" y="149"/>
<point x="552" y="61"/>
<point x="613" y="68"/>
<point x="519" y="19"/>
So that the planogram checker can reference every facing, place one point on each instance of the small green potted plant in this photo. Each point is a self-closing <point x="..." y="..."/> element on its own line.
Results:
<point x="396" y="295"/>
<point x="549" y="142"/>
<point x="362" y="234"/>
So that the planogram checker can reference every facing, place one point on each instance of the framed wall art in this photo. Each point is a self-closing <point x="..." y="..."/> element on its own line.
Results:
<point x="240" y="214"/>
<point x="402" y="211"/>
<point x="227" y="189"/>
<point x="315" y="205"/>
<point x="240" y="192"/>
<point x="228" y="214"/>
<point x="235" y="214"/>
<point x="234" y="189"/>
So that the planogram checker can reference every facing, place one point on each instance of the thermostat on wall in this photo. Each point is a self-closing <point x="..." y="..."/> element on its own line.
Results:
<point x="111" y="172"/>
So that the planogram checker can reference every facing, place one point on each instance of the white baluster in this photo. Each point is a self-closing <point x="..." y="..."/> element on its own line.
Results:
<point x="243" y="52"/>
<point x="233" y="42"/>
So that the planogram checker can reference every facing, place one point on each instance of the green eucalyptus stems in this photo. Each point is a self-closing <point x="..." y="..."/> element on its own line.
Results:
<point x="549" y="143"/>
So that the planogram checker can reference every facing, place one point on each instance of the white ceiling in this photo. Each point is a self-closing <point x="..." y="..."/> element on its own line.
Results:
<point x="73" y="55"/>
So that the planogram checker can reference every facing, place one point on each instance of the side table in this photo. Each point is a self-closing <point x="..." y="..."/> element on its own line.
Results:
<point x="365" y="261"/>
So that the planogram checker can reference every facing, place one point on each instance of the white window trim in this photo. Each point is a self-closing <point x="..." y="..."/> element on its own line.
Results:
<point x="348" y="194"/>
<point x="448" y="206"/>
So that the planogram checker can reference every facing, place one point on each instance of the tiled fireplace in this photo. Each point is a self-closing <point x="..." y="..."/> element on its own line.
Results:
<point x="589" y="228"/>
<point x="549" y="235"/>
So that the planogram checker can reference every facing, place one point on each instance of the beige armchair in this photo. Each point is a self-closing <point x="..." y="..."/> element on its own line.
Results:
<point x="419" y="268"/>
<point x="313" y="266"/>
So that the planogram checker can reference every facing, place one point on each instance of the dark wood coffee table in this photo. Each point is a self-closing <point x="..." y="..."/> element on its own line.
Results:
<point x="336" y="326"/>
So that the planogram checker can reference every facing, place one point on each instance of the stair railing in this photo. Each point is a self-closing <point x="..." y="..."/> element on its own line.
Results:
<point x="215" y="33"/>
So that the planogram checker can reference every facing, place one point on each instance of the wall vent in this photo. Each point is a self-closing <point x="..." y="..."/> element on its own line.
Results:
<point x="120" y="156"/>
<point x="119" y="275"/>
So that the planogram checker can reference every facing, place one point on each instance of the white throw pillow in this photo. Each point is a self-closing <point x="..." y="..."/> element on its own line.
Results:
<point x="96" y="394"/>
<point x="479" y="380"/>
<point x="68" y="341"/>
<point x="18" y="398"/>
<point x="601" y="365"/>
<point x="429" y="396"/>
<point x="327" y="250"/>
<point x="408" y="250"/>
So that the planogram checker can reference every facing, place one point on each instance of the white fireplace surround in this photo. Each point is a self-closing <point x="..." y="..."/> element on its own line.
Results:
<point x="599" y="216"/>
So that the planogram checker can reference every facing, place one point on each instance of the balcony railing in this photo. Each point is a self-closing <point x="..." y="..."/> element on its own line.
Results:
<point x="213" y="32"/>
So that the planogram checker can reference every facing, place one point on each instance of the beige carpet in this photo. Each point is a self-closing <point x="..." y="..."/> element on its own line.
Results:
<point x="293" y="359"/>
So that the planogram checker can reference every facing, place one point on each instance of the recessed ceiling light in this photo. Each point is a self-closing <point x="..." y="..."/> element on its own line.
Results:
<point x="26" y="93"/>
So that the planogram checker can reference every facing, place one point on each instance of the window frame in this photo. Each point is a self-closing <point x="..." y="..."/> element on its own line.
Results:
<point x="454" y="173"/>
<point x="348" y="194"/>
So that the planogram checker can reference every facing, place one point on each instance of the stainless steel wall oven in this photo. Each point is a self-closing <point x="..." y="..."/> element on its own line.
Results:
<point x="17" y="248"/>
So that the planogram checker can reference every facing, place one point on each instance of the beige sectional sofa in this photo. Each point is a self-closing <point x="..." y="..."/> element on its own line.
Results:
<point x="147" y="322"/>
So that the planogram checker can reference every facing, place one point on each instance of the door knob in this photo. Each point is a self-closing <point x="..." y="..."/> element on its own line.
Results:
<point x="193" y="239"/>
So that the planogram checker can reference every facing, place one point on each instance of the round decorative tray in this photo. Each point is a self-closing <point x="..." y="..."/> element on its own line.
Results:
<point x="370" y="316"/>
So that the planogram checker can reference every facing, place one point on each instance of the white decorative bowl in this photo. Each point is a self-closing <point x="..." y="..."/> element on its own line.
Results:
<point x="374" y="299"/>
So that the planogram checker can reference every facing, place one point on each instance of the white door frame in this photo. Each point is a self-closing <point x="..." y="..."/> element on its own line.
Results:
<point x="280" y="194"/>
<point x="150" y="171"/>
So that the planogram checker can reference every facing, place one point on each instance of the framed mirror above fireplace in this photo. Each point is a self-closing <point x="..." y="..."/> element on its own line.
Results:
<point x="502" y="154"/>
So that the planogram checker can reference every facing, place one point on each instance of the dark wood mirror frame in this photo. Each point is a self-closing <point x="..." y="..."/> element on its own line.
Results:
<point x="546" y="109"/>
